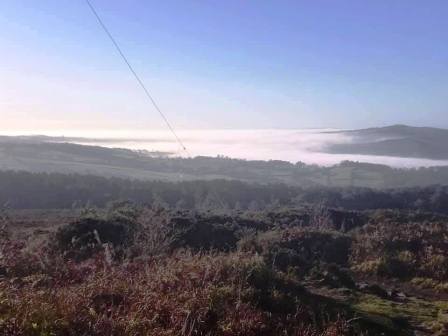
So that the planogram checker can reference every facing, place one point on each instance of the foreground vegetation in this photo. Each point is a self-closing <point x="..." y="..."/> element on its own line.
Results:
<point x="310" y="270"/>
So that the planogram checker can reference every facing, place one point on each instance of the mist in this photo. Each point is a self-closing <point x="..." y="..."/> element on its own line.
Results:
<point x="292" y="145"/>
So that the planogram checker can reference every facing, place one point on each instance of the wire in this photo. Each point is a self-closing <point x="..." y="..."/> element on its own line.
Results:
<point x="137" y="77"/>
<point x="143" y="86"/>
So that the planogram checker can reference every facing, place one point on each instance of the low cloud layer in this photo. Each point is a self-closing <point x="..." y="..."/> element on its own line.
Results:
<point x="288" y="145"/>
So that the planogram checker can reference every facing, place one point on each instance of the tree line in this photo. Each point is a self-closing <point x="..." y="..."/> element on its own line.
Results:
<point x="24" y="190"/>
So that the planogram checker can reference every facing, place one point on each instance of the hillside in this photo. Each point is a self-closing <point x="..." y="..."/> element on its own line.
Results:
<point x="33" y="154"/>
<point x="397" y="141"/>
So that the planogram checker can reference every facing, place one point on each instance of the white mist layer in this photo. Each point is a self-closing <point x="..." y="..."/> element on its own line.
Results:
<point x="287" y="145"/>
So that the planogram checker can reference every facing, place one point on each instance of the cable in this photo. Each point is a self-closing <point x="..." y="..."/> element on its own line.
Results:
<point x="137" y="77"/>
<point x="143" y="86"/>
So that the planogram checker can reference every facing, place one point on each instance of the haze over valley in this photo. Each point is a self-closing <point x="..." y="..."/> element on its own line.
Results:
<point x="365" y="158"/>
<point x="395" y="146"/>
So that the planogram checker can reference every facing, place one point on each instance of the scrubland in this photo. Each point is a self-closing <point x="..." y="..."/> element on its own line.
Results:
<point x="151" y="270"/>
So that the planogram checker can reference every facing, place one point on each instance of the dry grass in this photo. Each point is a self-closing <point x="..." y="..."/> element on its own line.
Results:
<point x="183" y="294"/>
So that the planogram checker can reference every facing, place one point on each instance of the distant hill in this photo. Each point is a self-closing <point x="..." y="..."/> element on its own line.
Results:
<point x="397" y="141"/>
<point x="39" y="154"/>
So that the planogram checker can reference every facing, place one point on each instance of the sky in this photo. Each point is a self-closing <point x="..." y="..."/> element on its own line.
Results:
<point x="234" y="64"/>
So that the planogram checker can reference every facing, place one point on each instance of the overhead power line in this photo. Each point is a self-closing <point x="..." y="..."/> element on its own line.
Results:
<point x="137" y="77"/>
<point x="143" y="86"/>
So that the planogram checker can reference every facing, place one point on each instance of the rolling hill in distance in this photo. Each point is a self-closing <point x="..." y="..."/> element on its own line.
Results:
<point x="396" y="140"/>
<point x="71" y="155"/>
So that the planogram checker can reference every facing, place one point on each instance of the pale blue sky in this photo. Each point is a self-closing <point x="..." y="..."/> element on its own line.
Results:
<point x="224" y="64"/>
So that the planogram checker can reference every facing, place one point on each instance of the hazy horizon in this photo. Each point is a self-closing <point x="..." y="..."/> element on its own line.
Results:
<point x="292" y="145"/>
<point x="244" y="80"/>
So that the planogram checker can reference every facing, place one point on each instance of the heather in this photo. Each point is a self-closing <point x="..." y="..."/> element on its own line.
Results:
<point x="150" y="270"/>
